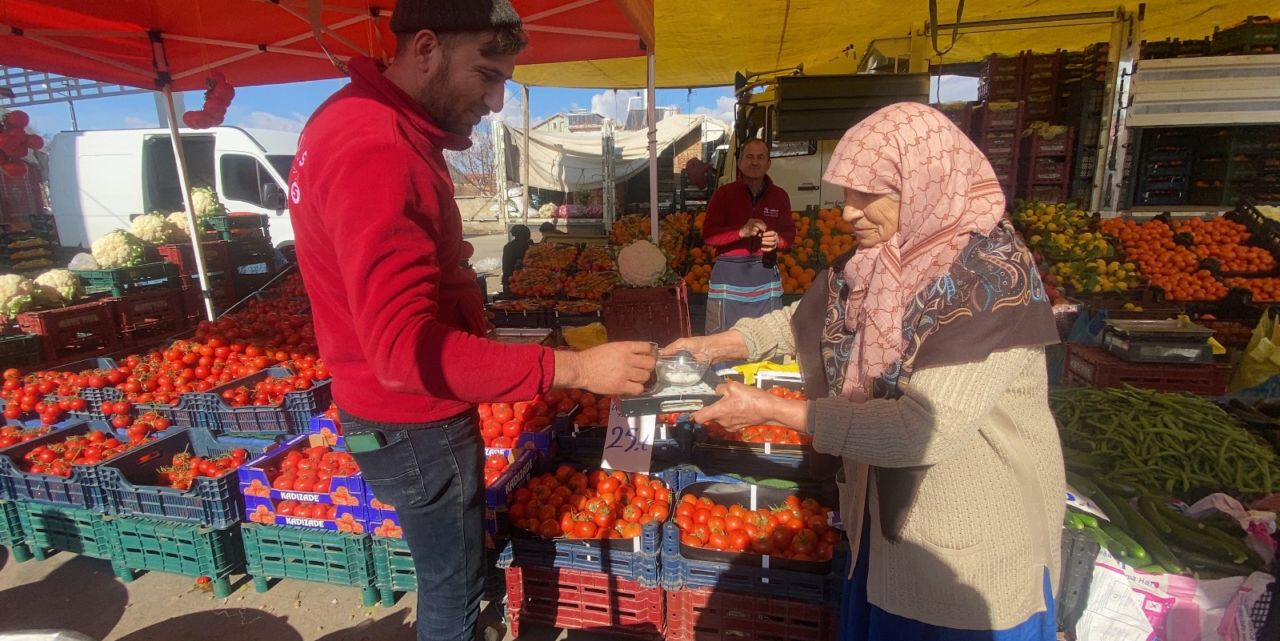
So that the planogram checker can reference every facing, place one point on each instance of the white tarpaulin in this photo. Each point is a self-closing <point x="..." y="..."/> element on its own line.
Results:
<point x="575" y="161"/>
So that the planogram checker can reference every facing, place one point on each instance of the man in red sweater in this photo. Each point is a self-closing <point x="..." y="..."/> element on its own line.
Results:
<point x="399" y="320"/>
<point x="748" y="222"/>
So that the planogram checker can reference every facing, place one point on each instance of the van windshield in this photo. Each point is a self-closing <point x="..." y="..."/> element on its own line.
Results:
<point x="282" y="163"/>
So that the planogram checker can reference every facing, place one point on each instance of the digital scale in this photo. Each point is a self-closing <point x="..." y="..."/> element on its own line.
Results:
<point x="669" y="399"/>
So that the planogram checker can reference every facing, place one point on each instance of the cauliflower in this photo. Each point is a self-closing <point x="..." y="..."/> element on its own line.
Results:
<point x="119" y="249"/>
<point x="642" y="264"/>
<point x="15" y="294"/>
<point x="58" y="286"/>
<point x="179" y="221"/>
<point x="154" y="228"/>
<point x="205" y="203"/>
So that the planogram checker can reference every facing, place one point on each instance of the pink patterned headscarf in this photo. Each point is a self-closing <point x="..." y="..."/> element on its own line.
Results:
<point x="947" y="190"/>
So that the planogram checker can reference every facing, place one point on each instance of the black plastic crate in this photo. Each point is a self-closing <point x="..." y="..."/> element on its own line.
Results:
<point x="129" y="481"/>
<point x="630" y="559"/>
<point x="120" y="281"/>
<point x="20" y="350"/>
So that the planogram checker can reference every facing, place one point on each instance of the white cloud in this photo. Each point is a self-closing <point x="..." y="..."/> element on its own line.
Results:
<point x="723" y="111"/>
<point x="134" y="122"/>
<point x="267" y="120"/>
<point x="613" y="104"/>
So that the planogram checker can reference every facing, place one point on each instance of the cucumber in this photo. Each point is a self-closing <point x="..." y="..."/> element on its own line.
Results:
<point x="1147" y="508"/>
<point x="1112" y="486"/>
<point x="1146" y="534"/>
<point x="1204" y="563"/>
<point x="1086" y="519"/>
<point x="1128" y="546"/>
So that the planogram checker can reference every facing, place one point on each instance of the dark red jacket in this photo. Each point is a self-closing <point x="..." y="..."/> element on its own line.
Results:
<point x="399" y="321"/>
<point x="732" y="206"/>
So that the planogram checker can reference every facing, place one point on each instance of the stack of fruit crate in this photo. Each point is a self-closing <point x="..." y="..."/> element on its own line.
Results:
<point x="999" y="126"/>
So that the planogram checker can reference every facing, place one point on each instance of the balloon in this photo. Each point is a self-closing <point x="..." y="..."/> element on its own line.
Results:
<point x="17" y="120"/>
<point x="15" y="169"/>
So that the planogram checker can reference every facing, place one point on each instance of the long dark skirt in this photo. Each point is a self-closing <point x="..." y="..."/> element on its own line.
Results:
<point x="741" y="287"/>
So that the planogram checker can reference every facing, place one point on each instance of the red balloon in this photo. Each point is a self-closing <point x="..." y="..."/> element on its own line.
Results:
<point x="35" y="142"/>
<point x="15" y="169"/>
<point x="17" y="120"/>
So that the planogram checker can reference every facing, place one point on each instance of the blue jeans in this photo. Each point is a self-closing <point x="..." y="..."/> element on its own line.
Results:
<point x="433" y="476"/>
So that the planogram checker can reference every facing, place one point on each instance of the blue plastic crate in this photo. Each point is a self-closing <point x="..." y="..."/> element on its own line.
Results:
<point x="81" y="489"/>
<point x="291" y="417"/>
<point x="94" y="397"/>
<point x="189" y="411"/>
<point x="634" y="560"/>
<point x="129" y="481"/>
<point x="757" y="460"/>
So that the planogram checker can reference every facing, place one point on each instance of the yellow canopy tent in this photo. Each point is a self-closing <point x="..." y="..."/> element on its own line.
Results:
<point x="704" y="43"/>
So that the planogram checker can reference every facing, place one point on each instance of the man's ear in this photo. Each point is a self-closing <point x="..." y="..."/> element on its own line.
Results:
<point x="425" y="49"/>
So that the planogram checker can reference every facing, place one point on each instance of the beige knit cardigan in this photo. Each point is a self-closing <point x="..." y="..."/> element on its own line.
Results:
<point x="987" y="519"/>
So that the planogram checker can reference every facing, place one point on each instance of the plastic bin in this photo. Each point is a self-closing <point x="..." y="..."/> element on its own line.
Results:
<point x="150" y="313"/>
<point x="12" y="535"/>
<point x="586" y="445"/>
<point x="293" y="416"/>
<point x="81" y="489"/>
<point x="253" y="480"/>
<point x="631" y="559"/>
<point x="719" y="615"/>
<point x="129" y="481"/>
<point x="21" y="350"/>
<point x="118" y="282"/>
<point x="217" y="259"/>
<point x="1258" y="34"/>
<point x="685" y="567"/>
<point x="763" y="460"/>
<point x="575" y="600"/>
<point x="177" y="548"/>
<point x="395" y="572"/>
<point x="241" y="226"/>
<point x="1079" y="552"/>
<point x="655" y="314"/>
<point x="70" y="529"/>
<point x="1094" y="367"/>
<point x="66" y="332"/>
<point x="336" y="558"/>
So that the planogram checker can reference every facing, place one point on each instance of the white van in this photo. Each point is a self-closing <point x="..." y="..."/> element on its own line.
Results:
<point x="99" y="180"/>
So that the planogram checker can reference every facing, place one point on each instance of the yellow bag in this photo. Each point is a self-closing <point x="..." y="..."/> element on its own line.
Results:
<point x="1261" y="358"/>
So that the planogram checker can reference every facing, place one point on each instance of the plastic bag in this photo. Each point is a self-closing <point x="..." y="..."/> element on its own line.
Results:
<point x="83" y="262"/>
<point x="1088" y="327"/>
<point x="1261" y="358"/>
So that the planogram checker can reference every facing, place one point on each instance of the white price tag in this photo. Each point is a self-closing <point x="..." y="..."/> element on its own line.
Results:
<point x="628" y="445"/>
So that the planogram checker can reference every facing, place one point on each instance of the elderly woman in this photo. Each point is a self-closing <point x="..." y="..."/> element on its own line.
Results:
<point x="923" y="357"/>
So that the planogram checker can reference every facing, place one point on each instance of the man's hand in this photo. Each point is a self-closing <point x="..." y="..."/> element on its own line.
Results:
<point x="769" y="240"/>
<point x="754" y="227"/>
<point x="612" y="368"/>
<point x="725" y="346"/>
<point x="742" y="406"/>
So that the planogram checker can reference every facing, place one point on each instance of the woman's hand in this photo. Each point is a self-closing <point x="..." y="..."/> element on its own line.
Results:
<point x="742" y="406"/>
<point x="711" y="349"/>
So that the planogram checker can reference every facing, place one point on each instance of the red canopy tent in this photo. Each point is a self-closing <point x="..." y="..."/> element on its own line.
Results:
<point x="172" y="46"/>
<point x="256" y="42"/>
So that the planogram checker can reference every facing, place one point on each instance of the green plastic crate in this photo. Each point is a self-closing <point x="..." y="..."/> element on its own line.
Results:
<point x="126" y="279"/>
<point x="62" y="527"/>
<point x="338" y="558"/>
<point x="11" y="534"/>
<point x="20" y="350"/>
<point x="178" y="548"/>
<point x="395" y="571"/>
<point x="241" y="226"/>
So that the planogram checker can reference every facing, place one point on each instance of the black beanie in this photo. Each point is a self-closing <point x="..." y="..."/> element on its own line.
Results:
<point x="443" y="16"/>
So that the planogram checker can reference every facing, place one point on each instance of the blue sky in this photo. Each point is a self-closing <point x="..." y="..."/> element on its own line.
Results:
<point x="288" y="106"/>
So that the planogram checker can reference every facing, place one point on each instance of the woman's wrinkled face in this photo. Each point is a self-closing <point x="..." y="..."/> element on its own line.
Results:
<point x="874" y="216"/>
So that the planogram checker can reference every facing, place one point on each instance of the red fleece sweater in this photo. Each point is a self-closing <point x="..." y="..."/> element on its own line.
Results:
<point x="731" y="207"/>
<point x="400" y="322"/>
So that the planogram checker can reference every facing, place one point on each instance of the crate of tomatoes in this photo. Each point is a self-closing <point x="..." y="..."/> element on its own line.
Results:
<point x="517" y="426"/>
<point x="754" y="539"/>
<point x="305" y="485"/>
<point x="77" y="389"/>
<point x="613" y="524"/>
<point x="276" y="400"/>
<point x="61" y="467"/>
<point x="763" y="451"/>
<point x="188" y="476"/>
<point x="672" y="440"/>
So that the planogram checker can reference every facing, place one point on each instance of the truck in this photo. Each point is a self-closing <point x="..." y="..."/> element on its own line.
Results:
<point x="100" y="180"/>
<point x="802" y="118"/>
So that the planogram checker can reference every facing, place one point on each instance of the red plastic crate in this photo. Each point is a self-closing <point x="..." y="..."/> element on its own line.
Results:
<point x="149" y="313"/>
<point x="224" y="296"/>
<point x="657" y="314"/>
<point x="76" y="330"/>
<point x="576" y="600"/>
<point x="1093" y="366"/>
<point x="716" y="615"/>
<point x="217" y="257"/>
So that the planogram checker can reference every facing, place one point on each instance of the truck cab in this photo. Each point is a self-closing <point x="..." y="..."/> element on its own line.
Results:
<point x="99" y="180"/>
